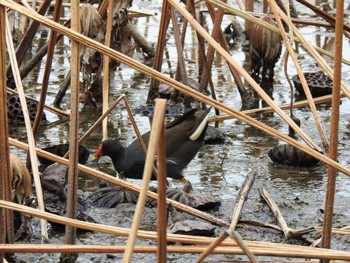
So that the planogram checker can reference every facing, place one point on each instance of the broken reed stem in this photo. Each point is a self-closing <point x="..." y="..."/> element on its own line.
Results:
<point x="105" y="84"/>
<point x="98" y="122"/>
<point x="29" y="131"/>
<point x="161" y="201"/>
<point x="202" y="58"/>
<point x="160" y="46"/>
<point x="242" y="195"/>
<point x="182" y="88"/>
<point x="216" y="17"/>
<point x="288" y="232"/>
<point x="306" y="88"/>
<point x="274" y="208"/>
<point x="157" y="123"/>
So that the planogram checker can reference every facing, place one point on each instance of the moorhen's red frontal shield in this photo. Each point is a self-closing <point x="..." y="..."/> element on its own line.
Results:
<point x="98" y="154"/>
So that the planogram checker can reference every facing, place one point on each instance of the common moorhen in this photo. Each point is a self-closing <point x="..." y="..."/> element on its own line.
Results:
<point x="184" y="137"/>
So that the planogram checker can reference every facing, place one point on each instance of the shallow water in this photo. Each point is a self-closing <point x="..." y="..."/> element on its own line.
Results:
<point x="218" y="170"/>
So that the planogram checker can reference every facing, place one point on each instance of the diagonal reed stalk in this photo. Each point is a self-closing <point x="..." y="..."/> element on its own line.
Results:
<point x="288" y="42"/>
<point x="30" y="135"/>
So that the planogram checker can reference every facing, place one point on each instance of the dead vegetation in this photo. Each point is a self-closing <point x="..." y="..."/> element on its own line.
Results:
<point x="124" y="42"/>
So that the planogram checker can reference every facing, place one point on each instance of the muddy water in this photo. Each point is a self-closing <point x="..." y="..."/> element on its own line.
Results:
<point x="218" y="170"/>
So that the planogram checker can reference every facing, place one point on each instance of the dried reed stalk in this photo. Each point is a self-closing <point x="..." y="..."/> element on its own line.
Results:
<point x="105" y="84"/>
<point x="216" y="18"/>
<point x="266" y="110"/>
<point x="49" y="248"/>
<point x="6" y="227"/>
<point x="161" y="201"/>
<point x="182" y="88"/>
<point x="132" y="12"/>
<point x="103" y="116"/>
<point x="242" y="196"/>
<point x="234" y="235"/>
<point x="334" y="133"/>
<point x="172" y="249"/>
<point x="181" y="73"/>
<point x="157" y="124"/>
<point x="47" y="71"/>
<point x="288" y="42"/>
<point x="30" y="136"/>
<point x="98" y="121"/>
<point x="218" y="35"/>
<point x="202" y="57"/>
<point x="72" y="192"/>
<point x="161" y="42"/>
<point x="210" y="248"/>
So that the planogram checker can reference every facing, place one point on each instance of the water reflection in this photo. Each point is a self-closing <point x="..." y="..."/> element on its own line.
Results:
<point x="298" y="179"/>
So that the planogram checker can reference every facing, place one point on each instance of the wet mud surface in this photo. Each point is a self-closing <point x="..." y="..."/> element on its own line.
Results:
<point x="218" y="169"/>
